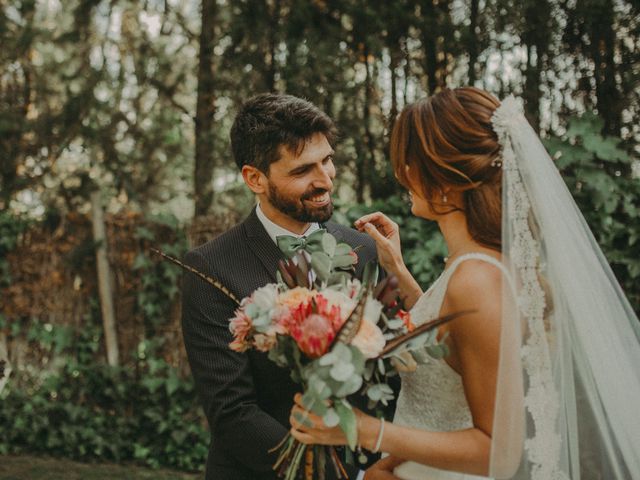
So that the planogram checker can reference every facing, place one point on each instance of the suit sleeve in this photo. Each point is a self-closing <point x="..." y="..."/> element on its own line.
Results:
<point x="223" y="377"/>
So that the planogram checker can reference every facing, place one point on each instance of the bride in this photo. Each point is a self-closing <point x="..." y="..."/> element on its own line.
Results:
<point x="543" y="372"/>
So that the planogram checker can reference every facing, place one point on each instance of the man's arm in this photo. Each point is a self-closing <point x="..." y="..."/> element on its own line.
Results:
<point x="223" y="377"/>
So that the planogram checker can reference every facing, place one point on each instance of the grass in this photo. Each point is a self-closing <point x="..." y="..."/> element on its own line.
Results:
<point x="24" y="467"/>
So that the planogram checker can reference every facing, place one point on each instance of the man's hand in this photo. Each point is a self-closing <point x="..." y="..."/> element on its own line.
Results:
<point x="383" y="469"/>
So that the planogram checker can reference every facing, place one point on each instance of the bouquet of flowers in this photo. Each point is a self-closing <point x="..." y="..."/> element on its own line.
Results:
<point x="336" y="335"/>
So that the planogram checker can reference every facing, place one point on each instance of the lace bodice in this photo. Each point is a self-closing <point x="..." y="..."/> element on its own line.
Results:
<point x="432" y="397"/>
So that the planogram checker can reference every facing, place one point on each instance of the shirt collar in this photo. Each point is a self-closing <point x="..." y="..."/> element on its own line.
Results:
<point x="274" y="230"/>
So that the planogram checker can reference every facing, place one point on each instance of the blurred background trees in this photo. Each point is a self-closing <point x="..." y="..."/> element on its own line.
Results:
<point x="131" y="102"/>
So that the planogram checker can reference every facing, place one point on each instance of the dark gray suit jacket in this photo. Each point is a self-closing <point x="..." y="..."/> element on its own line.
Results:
<point x="247" y="399"/>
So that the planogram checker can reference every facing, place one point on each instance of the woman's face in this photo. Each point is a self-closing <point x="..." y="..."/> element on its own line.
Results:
<point x="420" y="207"/>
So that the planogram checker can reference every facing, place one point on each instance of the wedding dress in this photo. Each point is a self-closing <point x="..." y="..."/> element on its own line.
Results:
<point x="432" y="397"/>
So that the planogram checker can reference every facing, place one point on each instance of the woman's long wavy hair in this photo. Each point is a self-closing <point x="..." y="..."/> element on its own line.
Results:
<point x="447" y="141"/>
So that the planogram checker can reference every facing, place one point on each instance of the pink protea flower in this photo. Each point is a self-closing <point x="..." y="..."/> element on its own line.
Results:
<point x="313" y="325"/>
<point x="314" y="335"/>
<point x="332" y="312"/>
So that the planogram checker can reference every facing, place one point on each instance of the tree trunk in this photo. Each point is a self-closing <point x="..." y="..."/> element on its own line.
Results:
<point x="407" y="71"/>
<point x="603" y="55"/>
<point x="393" y="66"/>
<point x="537" y="18"/>
<point x="205" y="109"/>
<point x="104" y="280"/>
<point x="5" y="365"/>
<point x="472" y="46"/>
<point x="274" y="21"/>
<point x="429" y="39"/>
<point x="532" y="88"/>
<point x="369" y="158"/>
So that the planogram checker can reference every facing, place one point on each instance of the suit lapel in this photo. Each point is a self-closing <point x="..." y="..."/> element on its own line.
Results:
<point x="261" y="244"/>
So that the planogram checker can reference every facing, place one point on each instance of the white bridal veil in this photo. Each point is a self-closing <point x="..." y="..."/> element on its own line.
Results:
<point x="568" y="395"/>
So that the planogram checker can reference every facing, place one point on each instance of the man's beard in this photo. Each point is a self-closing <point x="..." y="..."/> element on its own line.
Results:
<point x="297" y="209"/>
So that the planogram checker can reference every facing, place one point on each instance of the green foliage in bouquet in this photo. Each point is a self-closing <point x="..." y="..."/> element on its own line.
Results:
<point x="337" y="374"/>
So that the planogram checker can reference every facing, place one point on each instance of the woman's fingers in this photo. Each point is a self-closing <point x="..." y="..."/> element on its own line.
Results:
<point x="376" y="234"/>
<point x="300" y="417"/>
<point x="302" y="437"/>
<point x="378" y="219"/>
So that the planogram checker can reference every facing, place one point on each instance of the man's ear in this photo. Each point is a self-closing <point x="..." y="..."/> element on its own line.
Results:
<point x="255" y="179"/>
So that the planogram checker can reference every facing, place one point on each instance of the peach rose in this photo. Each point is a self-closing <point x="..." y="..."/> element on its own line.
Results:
<point x="294" y="297"/>
<point x="369" y="339"/>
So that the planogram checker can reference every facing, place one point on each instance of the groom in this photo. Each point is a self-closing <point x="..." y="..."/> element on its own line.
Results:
<point x="283" y="146"/>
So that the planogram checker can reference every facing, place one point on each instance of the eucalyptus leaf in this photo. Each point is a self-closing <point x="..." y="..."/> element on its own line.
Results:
<point x="342" y="249"/>
<point x="331" y="418"/>
<point x="329" y="244"/>
<point x="348" y="423"/>
<point x="343" y="261"/>
<point x="321" y="264"/>
<point x="342" y="371"/>
<point x="352" y="385"/>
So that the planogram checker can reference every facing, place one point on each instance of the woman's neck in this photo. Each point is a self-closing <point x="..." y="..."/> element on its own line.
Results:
<point x="456" y="235"/>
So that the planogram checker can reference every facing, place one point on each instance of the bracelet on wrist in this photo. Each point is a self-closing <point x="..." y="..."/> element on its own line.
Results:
<point x="376" y="448"/>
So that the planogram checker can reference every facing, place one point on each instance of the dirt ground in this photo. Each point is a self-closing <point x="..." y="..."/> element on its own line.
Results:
<point x="42" y="468"/>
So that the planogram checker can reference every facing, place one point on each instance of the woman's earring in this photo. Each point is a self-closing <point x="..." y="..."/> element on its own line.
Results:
<point x="444" y="198"/>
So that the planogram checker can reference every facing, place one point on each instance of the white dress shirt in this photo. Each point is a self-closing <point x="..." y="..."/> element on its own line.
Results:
<point x="274" y="230"/>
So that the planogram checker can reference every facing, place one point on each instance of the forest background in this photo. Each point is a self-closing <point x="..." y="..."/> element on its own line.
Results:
<point x="114" y="122"/>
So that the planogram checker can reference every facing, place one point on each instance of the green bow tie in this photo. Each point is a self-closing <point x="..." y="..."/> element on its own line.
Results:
<point x="290" y="244"/>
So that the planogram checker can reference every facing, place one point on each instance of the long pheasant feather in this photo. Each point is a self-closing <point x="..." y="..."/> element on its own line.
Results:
<point x="425" y="327"/>
<point x="205" y="277"/>
<point x="352" y="324"/>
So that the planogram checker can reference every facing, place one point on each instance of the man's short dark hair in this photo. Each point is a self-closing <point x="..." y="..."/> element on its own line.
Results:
<point x="270" y="120"/>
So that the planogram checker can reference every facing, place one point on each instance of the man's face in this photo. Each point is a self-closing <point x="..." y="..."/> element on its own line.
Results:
<point x="299" y="186"/>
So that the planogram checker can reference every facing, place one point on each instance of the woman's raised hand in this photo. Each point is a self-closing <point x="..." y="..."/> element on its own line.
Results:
<point x="386" y="234"/>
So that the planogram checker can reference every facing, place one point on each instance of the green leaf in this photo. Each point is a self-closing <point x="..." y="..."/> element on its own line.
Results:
<point x="321" y="264"/>
<point x="342" y="249"/>
<point x="348" y="423"/>
<point x="143" y="233"/>
<point x="173" y="383"/>
<point x="370" y="274"/>
<point x="342" y="371"/>
<point x="331" y="418"/>
<point x="141" y="261"/>
<point x="343" y="261"/>
<point x="329" y="244"/>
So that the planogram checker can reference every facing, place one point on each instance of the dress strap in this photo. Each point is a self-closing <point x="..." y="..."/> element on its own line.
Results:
<point x="476" y="256"/>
